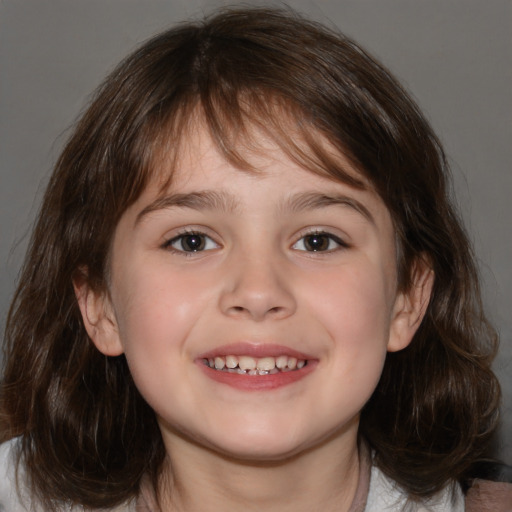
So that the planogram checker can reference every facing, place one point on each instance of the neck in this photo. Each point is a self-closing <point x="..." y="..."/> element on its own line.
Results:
<point x="321" y="478"/>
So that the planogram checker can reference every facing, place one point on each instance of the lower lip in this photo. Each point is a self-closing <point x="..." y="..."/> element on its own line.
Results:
<point x="258" y="382"/>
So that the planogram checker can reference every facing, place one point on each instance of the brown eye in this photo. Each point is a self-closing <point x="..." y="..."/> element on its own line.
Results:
<point x="316" y="242"/>
<point x="192" y="242"/>
<point x="319" y="242"/>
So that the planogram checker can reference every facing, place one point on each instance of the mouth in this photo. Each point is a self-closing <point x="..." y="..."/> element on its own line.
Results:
<point x="256" y="367"/>
<point x="248" y="365"/>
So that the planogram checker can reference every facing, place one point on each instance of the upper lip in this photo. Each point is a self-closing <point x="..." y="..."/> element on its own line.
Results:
<point x="256" y="350"/>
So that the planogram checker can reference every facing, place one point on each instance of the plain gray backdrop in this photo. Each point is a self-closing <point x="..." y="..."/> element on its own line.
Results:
<point x="455" y="56"/>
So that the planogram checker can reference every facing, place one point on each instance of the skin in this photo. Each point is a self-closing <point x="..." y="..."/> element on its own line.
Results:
<point x="255" y="281"/>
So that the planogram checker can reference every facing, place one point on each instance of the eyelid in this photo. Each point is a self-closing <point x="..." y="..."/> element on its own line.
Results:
<point x="182" y="233"/>
<point x="341" y="243"/>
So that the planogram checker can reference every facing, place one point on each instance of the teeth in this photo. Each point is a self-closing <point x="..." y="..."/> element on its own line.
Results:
<point x="247" y="365"/>
<point x="231" y="362"/>
<point x="282" y="362"/>
<point x="266" y="363"/>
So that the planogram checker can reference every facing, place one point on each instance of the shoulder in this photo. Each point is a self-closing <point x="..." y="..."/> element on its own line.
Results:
<point x="386" y="495"/>
<point x="14" y="495"/>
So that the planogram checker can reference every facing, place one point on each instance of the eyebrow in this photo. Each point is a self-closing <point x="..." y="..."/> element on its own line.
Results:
<point x="204" y="200"/>
<point x="226" y="202"/>
<point x="317" y="200"/>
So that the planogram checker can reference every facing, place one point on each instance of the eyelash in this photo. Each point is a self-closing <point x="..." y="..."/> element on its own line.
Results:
<point x="325" y="235"/>
<point x="205" y="241"/>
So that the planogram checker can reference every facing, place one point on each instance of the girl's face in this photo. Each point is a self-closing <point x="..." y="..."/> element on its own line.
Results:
<point x="283" y="276"/>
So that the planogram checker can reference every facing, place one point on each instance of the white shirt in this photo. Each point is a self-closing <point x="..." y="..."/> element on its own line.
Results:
<point x="384" y="495"/>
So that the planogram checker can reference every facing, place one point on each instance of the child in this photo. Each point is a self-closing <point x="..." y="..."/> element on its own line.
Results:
<point x="247" y="290"/>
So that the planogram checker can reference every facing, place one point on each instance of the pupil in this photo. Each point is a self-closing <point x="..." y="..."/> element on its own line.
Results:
<point x="193" y="243"/>
<point x="316" y="242"/>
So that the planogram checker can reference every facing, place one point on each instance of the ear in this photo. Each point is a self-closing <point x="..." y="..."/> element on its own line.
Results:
<point x="98" y="316"/>
<point x="410" y="306"/>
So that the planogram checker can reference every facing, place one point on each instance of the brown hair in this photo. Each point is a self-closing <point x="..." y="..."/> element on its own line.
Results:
<point x="87" y="436"/>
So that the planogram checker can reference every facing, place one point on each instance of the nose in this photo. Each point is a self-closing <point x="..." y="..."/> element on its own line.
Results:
<point x="257" y="288"/>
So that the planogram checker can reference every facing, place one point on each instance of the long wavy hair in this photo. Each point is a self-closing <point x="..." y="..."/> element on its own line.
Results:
<point x="86" y="434"/>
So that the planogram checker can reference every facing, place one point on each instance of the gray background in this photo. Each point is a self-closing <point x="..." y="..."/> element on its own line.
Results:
<point x="454" y="55"/>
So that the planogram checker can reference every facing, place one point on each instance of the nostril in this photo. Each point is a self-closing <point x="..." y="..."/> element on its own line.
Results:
<point x="241" y="309"/>
<point x="257" y="302"/>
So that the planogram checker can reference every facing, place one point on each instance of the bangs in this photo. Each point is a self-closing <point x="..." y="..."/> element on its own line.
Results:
<point x="237" y="124"/>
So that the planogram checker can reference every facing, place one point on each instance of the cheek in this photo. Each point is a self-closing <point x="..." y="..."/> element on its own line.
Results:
<point x="155" y="313"/>
<point x="352" y="302"/>
<point x="155" y="310"/>
<point x="354" y="307"/>
<point x="153" y="297"/>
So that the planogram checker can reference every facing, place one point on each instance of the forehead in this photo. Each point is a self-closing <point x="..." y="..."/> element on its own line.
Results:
<point x="197" y="150"/>
<point x="200" y="176"/>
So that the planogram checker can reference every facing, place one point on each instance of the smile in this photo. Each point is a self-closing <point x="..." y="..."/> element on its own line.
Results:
<point x="247" y="365"/>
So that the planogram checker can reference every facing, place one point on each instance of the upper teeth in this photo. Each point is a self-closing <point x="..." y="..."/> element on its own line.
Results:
<point x="262" y="364"/>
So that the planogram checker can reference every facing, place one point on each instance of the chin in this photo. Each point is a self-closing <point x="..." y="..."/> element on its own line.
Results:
<point x="260" y="454"/>
<point x="260" y="447"/>
<point x="279" y="445"/>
